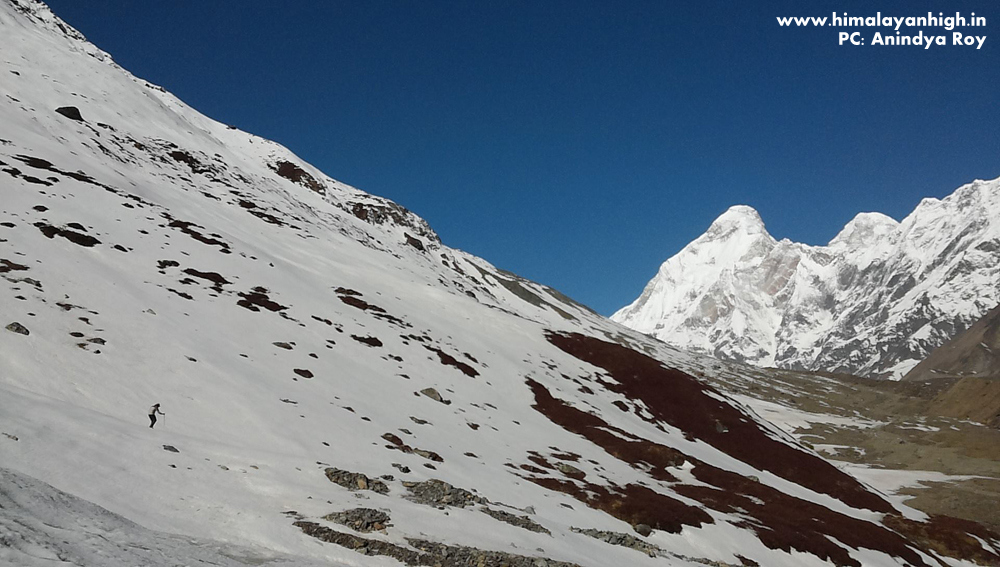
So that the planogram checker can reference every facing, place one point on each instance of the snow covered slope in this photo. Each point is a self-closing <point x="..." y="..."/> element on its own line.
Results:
<point x="340" y="386"/>
<point x="873" y="302"/>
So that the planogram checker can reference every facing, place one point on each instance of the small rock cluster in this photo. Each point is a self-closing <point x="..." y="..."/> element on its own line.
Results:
<point x="624" y="540"/>
<point x="461" y="556"/>
<point x="361" y="519"/>
<point x="515" y="520"/>
<point x="436" y="492"/>
<point x="355" y="481"/>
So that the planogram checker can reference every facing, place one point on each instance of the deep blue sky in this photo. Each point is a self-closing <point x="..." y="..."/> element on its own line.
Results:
<point x="580" y="144"/>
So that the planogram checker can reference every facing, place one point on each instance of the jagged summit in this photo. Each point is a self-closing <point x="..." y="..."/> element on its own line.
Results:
<point x="874" y="301"/>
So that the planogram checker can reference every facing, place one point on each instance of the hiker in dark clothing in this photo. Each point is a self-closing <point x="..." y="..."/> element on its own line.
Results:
<point x="152" y="414"/>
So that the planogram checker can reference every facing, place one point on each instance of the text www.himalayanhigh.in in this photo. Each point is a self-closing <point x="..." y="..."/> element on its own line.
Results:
<point x="948" y="23"/>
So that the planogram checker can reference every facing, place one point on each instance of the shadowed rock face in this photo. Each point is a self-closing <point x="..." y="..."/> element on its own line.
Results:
<point x="973" y="358"/>
<point x="976" y="352"/>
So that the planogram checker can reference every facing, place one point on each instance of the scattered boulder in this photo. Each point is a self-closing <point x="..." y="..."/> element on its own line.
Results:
<point x="643" y="530"/>
<point x="71" y="112"/>
<point x="355" y="481"/>
<point x="361" y="519"/>
<point x="434" y="395"/>
<point x="18" y="328"/>
<point x="570" y="471"/>
<point x="170" y="448"/>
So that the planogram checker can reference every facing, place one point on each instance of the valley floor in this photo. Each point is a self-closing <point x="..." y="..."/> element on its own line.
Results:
<point x="948" y="465"/>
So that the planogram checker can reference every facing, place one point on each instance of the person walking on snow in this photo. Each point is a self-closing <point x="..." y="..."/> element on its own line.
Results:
<point x="152" y="414"/>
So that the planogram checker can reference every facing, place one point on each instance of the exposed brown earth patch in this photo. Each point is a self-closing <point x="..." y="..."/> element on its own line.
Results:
<point x="296" y="174"/>
<point x="370" y="341"/>
<point x="950" y="537"/>
<point x="258" y="298"/>
<point x="73" y="236"/>
<point x="449" y="360"/>
<point x="354" y="300"/>
<point x="632" y="503"/>
<point x="189" y="228"/>
<point x="680" y="400"/>
<point x="653" y="457"/>
<point x="217" y="280"/>
<point x="189" y="160"/>
<point x="9" y="266"/>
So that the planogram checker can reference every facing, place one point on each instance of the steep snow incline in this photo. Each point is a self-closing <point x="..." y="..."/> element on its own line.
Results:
<point x="339" y="385"/>
<point x="42" y="526"/>
<point x="873" y="302"/>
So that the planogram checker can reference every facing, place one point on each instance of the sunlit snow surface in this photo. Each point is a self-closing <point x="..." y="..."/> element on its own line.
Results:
<point x="287" y="323"/>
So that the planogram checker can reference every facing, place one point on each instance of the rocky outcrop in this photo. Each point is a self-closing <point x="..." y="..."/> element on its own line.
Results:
<point x="436" y="492"/>
<point x="428" y="553"/>
<point x="361" y="519"/>
<point x="355" y="481"/>
<point x="515" y="520"/>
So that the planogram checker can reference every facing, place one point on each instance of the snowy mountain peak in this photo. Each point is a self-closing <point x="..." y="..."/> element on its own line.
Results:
<point x="865" y="229"/>
<point x="737" y="220"/>
<point x="874" y="301"/>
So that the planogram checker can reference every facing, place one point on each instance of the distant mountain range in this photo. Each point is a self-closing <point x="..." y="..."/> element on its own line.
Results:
<point x="873" y="302"/>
